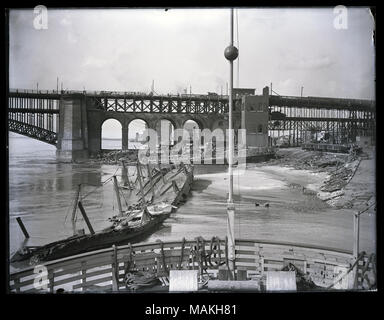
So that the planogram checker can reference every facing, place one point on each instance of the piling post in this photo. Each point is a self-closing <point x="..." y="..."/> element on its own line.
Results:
<point x="356" y="235"/>
<point x="115" y="270"/>
<point x="22" y="227"/>
<point x="86" y="218"/>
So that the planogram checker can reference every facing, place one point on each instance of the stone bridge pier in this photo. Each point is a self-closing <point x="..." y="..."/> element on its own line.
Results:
<point x="72" y="140"/>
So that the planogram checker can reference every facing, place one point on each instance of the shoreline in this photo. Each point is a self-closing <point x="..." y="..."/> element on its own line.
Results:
<point x="339" y="181"/>
<point x="349" y="182"/>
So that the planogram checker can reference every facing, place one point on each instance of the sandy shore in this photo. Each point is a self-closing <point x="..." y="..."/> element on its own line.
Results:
<point x="339" y="180"/>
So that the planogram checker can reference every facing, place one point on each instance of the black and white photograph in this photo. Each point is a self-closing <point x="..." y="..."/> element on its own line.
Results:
<point x="191" y="150"/>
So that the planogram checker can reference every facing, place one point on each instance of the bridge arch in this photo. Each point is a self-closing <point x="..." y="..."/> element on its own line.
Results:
<point x="193" y="123"/>
<point x="136" y="127"/>
<point x="111" y="133"/>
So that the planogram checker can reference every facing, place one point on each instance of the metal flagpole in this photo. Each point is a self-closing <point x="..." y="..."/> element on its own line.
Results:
<point x="231" y="53"/>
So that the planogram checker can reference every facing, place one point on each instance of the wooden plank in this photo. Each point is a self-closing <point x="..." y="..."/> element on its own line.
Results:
<point x="24" y="283"/>
<point x="93" y="282"/>
<point x="99" y="272"/>
<point x="66" y="271"/>
<point x="272" y="267"/>
<point x="250" y="260"/>
<point x="246" y="252"/>
<point x="246" y="267"/>
<point x="19" y="275"/>
<point x="68" y="280"/>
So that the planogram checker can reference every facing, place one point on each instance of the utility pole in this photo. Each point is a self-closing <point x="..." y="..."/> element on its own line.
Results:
<point x="271" y="89"/>
<point x="302" y="91"/>
<point x="231" y="53"/>
<point x="57" y="84"/>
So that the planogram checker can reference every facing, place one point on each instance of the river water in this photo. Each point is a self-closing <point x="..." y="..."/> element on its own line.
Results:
<point x="41" y="192"/>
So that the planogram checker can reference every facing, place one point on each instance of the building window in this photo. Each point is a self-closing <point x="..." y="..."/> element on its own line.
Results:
<point x="260" y="128"/>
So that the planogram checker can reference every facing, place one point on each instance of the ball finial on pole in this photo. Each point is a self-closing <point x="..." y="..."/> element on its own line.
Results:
<point x="231" y="53"/>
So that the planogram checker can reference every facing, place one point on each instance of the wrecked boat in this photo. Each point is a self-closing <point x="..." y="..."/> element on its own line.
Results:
<point x="168" y="187"/>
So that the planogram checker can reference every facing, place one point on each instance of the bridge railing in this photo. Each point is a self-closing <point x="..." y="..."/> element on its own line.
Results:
<point x="104" y="93"/>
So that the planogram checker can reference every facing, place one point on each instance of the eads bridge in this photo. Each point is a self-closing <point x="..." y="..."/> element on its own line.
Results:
<point x="72" y="121"/>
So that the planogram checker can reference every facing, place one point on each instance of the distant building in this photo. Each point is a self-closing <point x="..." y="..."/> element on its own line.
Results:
<point x="255" y="116"/>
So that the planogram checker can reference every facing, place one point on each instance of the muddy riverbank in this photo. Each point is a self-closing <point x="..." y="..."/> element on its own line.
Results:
<point x="350" y="180"/>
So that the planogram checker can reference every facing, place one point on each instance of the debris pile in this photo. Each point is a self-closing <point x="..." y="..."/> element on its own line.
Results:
<point x="116" y="156"/>
<point x="340" y="167"/>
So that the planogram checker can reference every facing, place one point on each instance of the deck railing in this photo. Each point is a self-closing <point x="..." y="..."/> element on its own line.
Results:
<point x="104" y="270"/>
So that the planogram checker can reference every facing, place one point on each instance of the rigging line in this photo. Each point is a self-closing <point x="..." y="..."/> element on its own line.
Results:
<point x="102" y="184"/>
<point x="68" y="209"/>
<point x="71" y="206"/>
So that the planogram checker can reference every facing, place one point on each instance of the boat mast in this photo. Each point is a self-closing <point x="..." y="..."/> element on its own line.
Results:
<point x="144" y="216"/>
<point x="125" y="177"/>
<point x="116" y="187"/>
<point x="231" y="53"/>
<point x="141" y="186"/>
<point x="151" y="181"/>
<point x="85" y="218"/>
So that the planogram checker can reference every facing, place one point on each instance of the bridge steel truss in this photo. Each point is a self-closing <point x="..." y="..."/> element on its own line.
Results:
<point x="194" y="104"/>
<point x="302" y="119"/>
<point x="34" y="115"/>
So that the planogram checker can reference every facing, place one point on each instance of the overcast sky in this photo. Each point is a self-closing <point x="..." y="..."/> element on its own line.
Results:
<point x="127" y="49"/>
